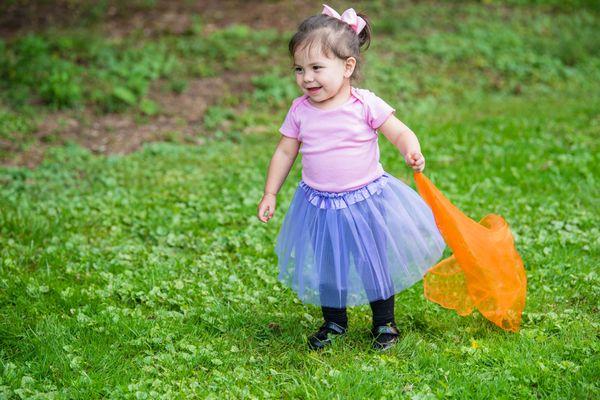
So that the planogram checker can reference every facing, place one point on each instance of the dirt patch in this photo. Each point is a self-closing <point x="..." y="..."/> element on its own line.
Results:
<point x="175" y="17"/>
<point x="119" y="18"/>
<point x="180" y="117"/>
<point x="179" y="120"/>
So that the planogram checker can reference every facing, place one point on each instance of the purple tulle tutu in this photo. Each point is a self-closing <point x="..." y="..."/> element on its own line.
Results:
<point x="355" y="247"/>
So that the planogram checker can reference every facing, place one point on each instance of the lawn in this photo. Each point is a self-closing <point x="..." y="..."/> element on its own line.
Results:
<point x="147" y="275"/>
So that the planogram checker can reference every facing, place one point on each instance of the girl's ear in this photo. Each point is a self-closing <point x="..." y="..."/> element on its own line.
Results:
<point x="349" y="66"/>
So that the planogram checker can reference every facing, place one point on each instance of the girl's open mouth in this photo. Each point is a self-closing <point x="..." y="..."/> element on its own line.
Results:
<point x="314" y="90"/>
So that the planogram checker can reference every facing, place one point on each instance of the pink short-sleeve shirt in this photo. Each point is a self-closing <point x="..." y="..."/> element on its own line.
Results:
<point x="339" y="145"/>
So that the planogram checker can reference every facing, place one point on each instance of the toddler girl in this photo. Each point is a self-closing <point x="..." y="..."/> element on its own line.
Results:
<point x="353" y="233"/>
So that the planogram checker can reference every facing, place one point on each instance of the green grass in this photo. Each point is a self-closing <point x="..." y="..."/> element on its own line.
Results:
<point x="79" y="68"/>
<point x="149" y="275"/>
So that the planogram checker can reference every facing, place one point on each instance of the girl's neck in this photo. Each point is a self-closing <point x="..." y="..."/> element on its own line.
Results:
<point x="341" y="97"/>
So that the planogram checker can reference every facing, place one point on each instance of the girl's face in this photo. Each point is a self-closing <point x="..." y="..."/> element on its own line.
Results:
<point x="321" y="77"/>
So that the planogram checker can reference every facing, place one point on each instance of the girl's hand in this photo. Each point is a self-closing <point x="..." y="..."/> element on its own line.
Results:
<point x="416" y="161"/>
<point x="266" y="207"/>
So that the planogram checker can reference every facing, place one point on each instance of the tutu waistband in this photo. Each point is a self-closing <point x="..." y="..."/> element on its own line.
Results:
<point x="337" y="200"/>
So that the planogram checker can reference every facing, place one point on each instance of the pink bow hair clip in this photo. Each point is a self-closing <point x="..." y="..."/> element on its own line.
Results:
<point x="349" y="16"/>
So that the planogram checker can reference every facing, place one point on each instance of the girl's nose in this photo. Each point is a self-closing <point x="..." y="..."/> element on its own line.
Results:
<point x="308" y="77"/>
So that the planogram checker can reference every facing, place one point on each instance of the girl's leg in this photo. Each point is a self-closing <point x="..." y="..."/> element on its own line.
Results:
<point x="333" y="261"/>
<point x="330" y="293"/>
<point x="337" y="315"/>
<point x="333" y="275"/>
<point x="383" y="312"/>
<point x="378" y="283"/>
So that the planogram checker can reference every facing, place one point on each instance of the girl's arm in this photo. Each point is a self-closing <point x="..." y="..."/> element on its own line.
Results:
<point x="281" y="163"/>
<point x="279" y="168"/>
<point x="405" y="141"/>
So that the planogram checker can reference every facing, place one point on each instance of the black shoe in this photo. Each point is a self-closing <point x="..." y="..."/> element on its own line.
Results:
<point x="321" y="338"/>
<point x="385" y="336"/>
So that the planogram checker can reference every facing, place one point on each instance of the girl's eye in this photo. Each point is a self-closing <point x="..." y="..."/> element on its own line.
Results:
<point x="298" y="70"/>
<point x="316" y="67"/>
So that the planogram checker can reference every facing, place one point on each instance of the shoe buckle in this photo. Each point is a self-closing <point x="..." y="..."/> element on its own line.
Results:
<point x="386" y="329"/>
<point x="335" y="327"/>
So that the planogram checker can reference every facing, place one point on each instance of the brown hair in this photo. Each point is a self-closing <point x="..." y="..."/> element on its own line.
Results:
<point x="334" y="37"/>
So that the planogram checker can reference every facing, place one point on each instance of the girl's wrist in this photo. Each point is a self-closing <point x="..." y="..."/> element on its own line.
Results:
<point x="270" y="194"/>
<point x="412" y="151"/>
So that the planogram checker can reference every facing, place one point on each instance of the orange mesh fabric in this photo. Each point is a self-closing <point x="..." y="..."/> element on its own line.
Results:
<point x="485" y="272"/>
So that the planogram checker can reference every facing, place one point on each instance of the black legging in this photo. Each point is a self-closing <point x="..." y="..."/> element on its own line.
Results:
<point x="376" y="284"/>
<point x="383" y="313"/>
